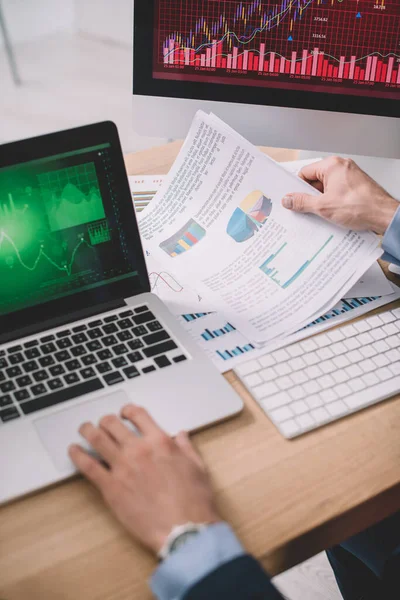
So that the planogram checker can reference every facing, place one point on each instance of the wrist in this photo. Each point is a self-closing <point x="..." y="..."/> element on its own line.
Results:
<point x="179" y="536"/>
<point x="386" y="209"/>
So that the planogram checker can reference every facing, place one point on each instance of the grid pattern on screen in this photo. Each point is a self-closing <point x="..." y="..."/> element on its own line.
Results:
<point x="83" y="177"/>
<point x="353" y="45"/>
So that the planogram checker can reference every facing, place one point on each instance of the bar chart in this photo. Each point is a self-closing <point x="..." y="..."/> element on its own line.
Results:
<point x="348" y="43"/>
<point x="211" y="335"/>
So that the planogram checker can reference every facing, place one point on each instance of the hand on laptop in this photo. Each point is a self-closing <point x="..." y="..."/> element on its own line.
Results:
<point x="350" y="197"/>
<point x="153" y="482"/>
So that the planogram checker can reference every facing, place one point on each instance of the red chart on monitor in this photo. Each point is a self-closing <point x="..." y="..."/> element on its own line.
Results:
<point x="340" y="46"/>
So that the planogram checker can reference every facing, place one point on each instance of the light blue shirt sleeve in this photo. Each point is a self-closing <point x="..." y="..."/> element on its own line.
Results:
<point x="213" y="547"/>
<point x="391" y="240"/>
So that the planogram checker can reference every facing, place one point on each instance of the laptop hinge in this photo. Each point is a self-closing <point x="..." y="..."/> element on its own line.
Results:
<point x="59" y="321"/>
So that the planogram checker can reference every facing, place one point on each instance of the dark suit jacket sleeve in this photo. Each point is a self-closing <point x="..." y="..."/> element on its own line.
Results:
<point x="240" y="579"/>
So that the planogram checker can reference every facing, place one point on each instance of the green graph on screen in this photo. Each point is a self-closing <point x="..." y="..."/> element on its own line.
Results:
<point x="72" y="196"/>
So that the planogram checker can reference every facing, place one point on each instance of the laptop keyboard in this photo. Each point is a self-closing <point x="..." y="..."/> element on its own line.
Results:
<point x="58" y="367"/>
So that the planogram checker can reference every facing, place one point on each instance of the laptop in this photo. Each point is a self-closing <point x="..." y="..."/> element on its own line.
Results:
<point x="81" y="335"/>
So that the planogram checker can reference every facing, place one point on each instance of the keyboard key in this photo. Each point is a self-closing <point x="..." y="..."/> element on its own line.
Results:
<point x="57" y="370"/>
<point x="141" y="309"/>
<point x="111" y="319"/>
<point x="336" y="335"/>
<point x="33" y="353"/>
<point x="338" y="348"/>
<point x="79" y="329"/>
<point x="155" y="338"/>
<point x="380" y="346"/>
<point x="16" y="359"/>
<point x="297" y="393"/>
<point x="21" y="395"/>
<point x="393" y="341"/>
<point x="80" y="338"/>
<point x="295" y="350"/>
<point x="362" y="326"/>
<point x="296" y="363"/>
<point x="314" y="401"/>
<point x="73" y="365"/>
<point x="127" y="313"/>
<point x="160" y="348"/>
<point x="352" y="343"/>
<point x="340" y="376"/>
<point x="135" y="344"/>
<point x="389" y="329"/>
<point x="378" y="334"/>
<point x="393" y="354"/>
<point x="251" y="380"/>
<point x="14" y="349"/>
<point x="322" y="340"/>
<point x="24" y="381"/>
<point x="71" y="378"/>
<point x="88" y="360"/>
<point x="94" y="346"/>
<point x="134" y="357"/>
<point x="95" y="324"/>
<point x="64" y="343"/>
<point x="342" y="390"/>
<point x="326" y="381"/>
<point x="62" y="356"/>
<point x="178" y="359"/>
<point x="280" y="355"/>
<point x="268" y="374"/>
<point x="367" y="365"/>
<point x="312" y="387"/>
<point x="124" y="336"/>
<point x="284" y="383"/>
<point x="313" y="372"/>
<point x="94" y="334"/>
<point x="337" y="409"/>
<point x="48" y="348"/>
<point x="327" y="367"/>
<point x="40" y="376"/>
<point x="126" y="324"/>
<point x="55" y="384"/>
<point x="328" y="395"/>
<point x="299" y="407"/>
<point x="144" y="318"/>
<point x="104" y="355"/>
<point x="6" y="387"/>
<point x="46" y="361"/>
<point x="298" y="377"/>
<point x="78" y="351"/>
<point x="341" y="361"/>
<point x="374" y="394"/>
<point x="374" y="321"/>
<point x="120" y="349"/>
<point x="9" y="414"/>
<point x="5" y="401"/>
<point x="384" y="373"/>
<point x="370" y="379"/>
<point x="63" y="334"/>
<point x="349" y="331"/>
<point x="305" y="421"/>
<point x="281" y="414"/>
<point x="30" y="366"/>
<point x="395" y="368"/>
<point x="39" y="390"/>
<point x="357" y="384"/>
<point x="311" y="359"/>
<point x="387" y="317"/>
<point x="87" y="373"/>
<point x="119" y="362"/>
<point x="131" y="372"/>
<point x="324" y="353"/>
<point x="113" y="378"/>
<point x="149" y="369"/>
<point x="155" y="326"/>
<point x="365" y="338"/>
<point x="248" y="367"/>
<point x="60" y="396"/>
<point x="354" y="356"/>
<point x="13" y="372"/>
<point x="381" y="360"/>
<point x="309" y="345"/>
<point x="289" y="428"/>
<point x="48" y="338"/>
<point x="266" y="389"/>
<point x="111" y="328"/>
<point x="354" y="371"/>
<point x="139" y="331"/>
<point x="104" y="367"/>
<point x="276" y="401"/>
<point x="31" y="344"/>
<point x="320" y="415"/>
<point x="110" y="340"/>
<point x="282" y="369"/>
<point x="3" y="363"/>
<point x="163" y="361"/>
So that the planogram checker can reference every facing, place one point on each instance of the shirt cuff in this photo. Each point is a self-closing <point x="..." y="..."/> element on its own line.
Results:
<point x="391" y="239"/>
<point x="214" y="546"/>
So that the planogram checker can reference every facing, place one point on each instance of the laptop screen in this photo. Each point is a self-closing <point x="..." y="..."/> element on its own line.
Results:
<point x="63" y="228"/>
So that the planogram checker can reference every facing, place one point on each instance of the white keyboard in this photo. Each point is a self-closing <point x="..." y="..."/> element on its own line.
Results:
<point x="324" y="378"/>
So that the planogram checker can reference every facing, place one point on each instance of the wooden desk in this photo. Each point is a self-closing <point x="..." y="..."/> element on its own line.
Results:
<point x="286" y="499"/>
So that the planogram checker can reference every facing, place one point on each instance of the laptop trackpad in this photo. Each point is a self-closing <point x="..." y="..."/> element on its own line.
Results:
<point x="59" y="430"/>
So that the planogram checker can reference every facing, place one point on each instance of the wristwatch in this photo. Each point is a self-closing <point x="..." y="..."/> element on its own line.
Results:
<point x="179" y="536"/>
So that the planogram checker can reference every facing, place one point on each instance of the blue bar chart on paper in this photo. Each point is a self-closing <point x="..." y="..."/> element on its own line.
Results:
<point x="211" y="335"/>
<point x="194" y="316"/>
<point x="238" y="351"/>
<point x="268" y="267"/>
<point x="344" y="306"/>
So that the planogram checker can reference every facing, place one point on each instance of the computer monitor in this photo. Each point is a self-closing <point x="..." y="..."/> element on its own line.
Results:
<point x="311" y="74"/>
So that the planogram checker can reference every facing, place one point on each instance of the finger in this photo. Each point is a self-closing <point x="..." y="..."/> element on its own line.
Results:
<point x="318" y="185"/>
<point x="112" y="425"/>
<point x="89" y="467"/>
<point x="302" y="203"/>
<point x="140" y="418"/>
<point x="100" y="441"/>
<point x="182" y="440"/>
<point x="316" y="171"/>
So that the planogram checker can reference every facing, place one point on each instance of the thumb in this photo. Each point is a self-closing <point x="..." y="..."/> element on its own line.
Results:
<point x="184" y="443"/>
<point x="303" y="203"/>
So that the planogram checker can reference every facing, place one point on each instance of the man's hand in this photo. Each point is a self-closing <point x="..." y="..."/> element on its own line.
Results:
<point x="153" y="482"/>
<point x="350" y="197"/>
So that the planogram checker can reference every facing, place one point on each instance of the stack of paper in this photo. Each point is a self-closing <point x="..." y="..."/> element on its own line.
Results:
<point x="217" y="239"/>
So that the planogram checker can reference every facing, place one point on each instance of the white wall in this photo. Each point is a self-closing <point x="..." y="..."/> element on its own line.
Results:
<point x="106" y="19"/>
<point x="27" y="20"/>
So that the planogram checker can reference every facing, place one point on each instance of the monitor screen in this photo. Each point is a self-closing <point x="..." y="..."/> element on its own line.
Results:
<point x="61" y="230"/>
<point x="340" y="55"/>
<point x="336" y="46"/>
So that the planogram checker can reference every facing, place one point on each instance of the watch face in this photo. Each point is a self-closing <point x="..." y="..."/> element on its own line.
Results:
<point x="182" y="539"/>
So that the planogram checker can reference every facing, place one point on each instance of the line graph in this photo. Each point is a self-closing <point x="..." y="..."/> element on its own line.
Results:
<point x="165" y="279"/>
<point x="66" y="268"/>
<point x="350" y="44"/>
